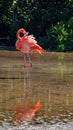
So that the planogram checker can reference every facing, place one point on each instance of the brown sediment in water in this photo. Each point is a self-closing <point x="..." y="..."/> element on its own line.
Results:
<point x="50" y="81"/>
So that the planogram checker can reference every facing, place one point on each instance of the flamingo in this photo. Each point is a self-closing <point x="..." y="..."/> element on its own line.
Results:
<point x="25" y="111"/>
<point x="26" y="44"/>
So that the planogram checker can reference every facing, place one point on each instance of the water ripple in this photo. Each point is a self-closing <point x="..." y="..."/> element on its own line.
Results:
<point x="44" y="126"/>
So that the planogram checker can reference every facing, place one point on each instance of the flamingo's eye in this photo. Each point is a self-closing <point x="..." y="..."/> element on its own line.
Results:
<point x="21" y="34"/>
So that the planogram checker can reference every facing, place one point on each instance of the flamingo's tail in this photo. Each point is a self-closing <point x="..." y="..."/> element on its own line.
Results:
<point x="37" y="48"/>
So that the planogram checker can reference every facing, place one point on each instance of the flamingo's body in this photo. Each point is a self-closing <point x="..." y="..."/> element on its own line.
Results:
<point x="26" y="111"/>
<point x="26" y="43"/>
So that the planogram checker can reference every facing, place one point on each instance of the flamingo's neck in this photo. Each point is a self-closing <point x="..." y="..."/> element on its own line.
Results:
<point x="19" y="32"/>
<point x="18" y="36"/>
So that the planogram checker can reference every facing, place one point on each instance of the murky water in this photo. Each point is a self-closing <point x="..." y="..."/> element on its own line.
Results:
<point x="49" y="81"/>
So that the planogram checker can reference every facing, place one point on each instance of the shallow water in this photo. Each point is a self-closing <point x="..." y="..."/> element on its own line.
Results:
<point x="49" y="81"/>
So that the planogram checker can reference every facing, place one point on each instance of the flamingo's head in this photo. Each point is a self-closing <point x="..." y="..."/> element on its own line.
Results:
<point x="20" y="33"/>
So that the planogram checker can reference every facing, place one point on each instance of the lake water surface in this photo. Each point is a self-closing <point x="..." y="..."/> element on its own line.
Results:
<point x="50" y="81"/>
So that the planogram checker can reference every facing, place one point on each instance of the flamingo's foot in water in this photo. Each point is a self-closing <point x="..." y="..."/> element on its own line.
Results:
<point x="24" y="66"/>
<point x="30" y="65"/>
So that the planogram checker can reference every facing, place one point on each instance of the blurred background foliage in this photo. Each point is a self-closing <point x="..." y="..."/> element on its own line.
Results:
<point x="51" y="22"/>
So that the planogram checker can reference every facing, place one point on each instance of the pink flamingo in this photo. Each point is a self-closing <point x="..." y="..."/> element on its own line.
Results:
<point x="26" y="44"/>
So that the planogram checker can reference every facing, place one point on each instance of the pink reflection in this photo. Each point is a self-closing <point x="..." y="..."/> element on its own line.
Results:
<point x="26" y="111"/>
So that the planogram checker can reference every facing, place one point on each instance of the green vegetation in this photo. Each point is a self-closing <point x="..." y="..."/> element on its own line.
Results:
<point x="51" y="22"/>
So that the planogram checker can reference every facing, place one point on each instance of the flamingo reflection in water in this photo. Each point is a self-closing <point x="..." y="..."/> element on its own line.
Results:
<point x="26" y="44"/>
<point x="26" y="112"/>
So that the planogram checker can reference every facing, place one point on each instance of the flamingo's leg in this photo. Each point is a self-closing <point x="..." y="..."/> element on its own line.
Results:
<point x="24" y="61"/>
<point x="30" y="60"/>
